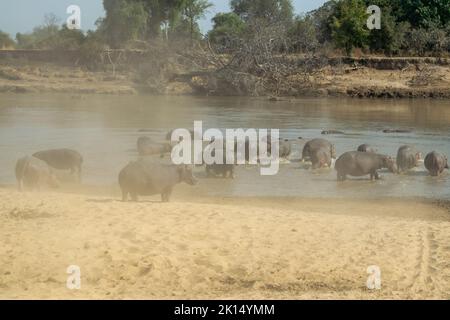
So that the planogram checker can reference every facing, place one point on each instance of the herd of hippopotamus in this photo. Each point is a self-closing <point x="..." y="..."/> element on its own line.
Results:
<point x="146" y="177"/>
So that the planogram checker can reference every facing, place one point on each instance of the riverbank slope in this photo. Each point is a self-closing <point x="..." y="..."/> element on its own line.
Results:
<point x="342" y="77"/>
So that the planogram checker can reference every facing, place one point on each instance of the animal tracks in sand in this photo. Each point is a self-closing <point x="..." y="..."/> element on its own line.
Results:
<point x="220" y="250"/>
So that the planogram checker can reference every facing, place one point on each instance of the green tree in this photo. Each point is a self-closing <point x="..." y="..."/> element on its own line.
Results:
<point x="194" y="10"/>
<point x="6" y="41"/>
<point x="166" y="13"/>
<point x="392" y="35"/>
<point x="227" y="27"/>
<point x="69" y="39"/>
<point x="349" y="26"/>
<point x="322" y="19"/>
<point x="303" y="34"/>
<point x="44" y="36"/>
<point x="124" y="21"/>
<point x="424" y="13"/>
<point x="279" y="11"/>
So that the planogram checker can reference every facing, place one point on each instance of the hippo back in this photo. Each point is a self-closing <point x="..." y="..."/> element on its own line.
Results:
<point x="435" y="163"/>
<point x="407" y="158"/>
<point x="316" y="144"/>
<point x="61" y="159"/>
<point x="34" y="172"/>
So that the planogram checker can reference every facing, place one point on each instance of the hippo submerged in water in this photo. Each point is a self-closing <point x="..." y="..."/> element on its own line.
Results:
<point x="327" y="132"/>
<point x="319" y="152"/>
<point x="147" y="147"/>
<point x="407" y="158"/>
<point x="146" y="178"/>
<point x="435" y="163"/>
<point x="358" y="164"/>
<point x="366" y="148"/>
<point x="285" y="148"/>
<point x="62" y="159"/>
<point x="34" y="174"/>
<point x="321" y="158"/>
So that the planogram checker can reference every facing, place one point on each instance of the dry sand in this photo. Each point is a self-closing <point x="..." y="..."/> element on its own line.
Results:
<point x="221" y="248"/>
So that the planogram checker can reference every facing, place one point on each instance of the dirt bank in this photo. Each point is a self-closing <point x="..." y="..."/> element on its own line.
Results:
<point x="362" y="78"/>
<point x="221" y="248"/>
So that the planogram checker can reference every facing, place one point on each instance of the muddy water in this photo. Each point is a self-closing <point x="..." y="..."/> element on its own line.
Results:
<point x="105" y="128"/>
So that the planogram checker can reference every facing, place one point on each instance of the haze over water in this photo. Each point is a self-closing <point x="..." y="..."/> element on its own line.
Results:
<point x="105" y="129"/>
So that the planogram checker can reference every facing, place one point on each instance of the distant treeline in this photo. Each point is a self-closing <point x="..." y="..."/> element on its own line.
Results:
<point x="408" y="27"/>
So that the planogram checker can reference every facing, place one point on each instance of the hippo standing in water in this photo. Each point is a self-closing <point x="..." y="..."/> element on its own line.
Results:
<point x="62" y="159"/>
<point x="359" y="164"/>
<point x="321" y="158"/>
<point x="407" y="158"/>
<point x="366" y="148"/>
<point x="285" y="148"/>
<point x="147" y="147"/>
<point x="146" y="178"/>
<point x="34" y="173"/>
<point x="316" y="144"/>
<point x="435" y="163"/>
<point x="225" y="170"/>
<point x="169" y="135"/>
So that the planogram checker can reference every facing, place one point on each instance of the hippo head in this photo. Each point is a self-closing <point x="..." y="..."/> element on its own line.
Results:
<point x="186" y="175"/>
<point x="419" y="156"/>
<point x="391" y="164"/>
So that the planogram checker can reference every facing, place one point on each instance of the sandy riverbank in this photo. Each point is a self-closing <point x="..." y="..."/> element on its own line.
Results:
<point x="221" y="248"/>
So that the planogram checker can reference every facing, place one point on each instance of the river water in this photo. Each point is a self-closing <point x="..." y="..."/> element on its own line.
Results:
<point x="105" y="129"/>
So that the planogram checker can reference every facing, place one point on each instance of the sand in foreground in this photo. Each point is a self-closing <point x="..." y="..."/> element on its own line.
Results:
<point x="221" y="249"/>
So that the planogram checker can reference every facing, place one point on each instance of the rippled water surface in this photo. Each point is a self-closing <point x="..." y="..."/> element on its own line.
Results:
<point x="105" y="129"/>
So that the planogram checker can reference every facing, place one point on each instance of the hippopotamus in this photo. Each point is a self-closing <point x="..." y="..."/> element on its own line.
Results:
<point x="34" y="173"/>
<point x="169" y="134"/>
<point x="62" y="159"/>
<point x="326" y="132"/>
<point x="366" y="148"/>
<point x="146" y="178"/>
<point x="396" y="131"/>
<point x="407" y="158"/>
<point x="147" y="147"/>
<point x="285" y="148"/>
<point x="321" y="158"/>
<point x="358" y="164"/>
<point x="223" y="169"/>
<point x="435" y="163"/>
<point x="316" y="144"/>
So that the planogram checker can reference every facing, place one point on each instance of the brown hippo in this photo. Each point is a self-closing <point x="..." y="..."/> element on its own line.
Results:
<point x="435" y="163"/>
<point x="327" y="132"/>
<point x="407" y="158"/>
<point x="366" y="148"/>
<point x="62" y="159"/>
<point x="147" y="147"/>
<point x="284" y="148"/>
<point x="146" y="178"/>
<point x="358" y="164"/>
<point x="225" y="170"/>
<point x="396" y="131"/>
<point x="34" y="173"/>
<point x="316" y="144"/>
<point x="169" y="135"/>
<point x="321" y="158"/>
